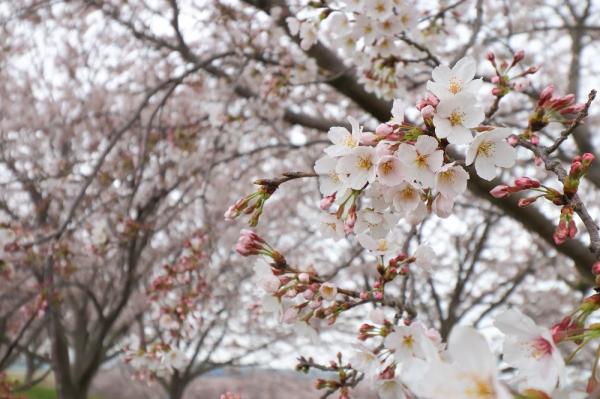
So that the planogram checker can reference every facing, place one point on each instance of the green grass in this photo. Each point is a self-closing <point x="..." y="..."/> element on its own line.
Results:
<point x="40" y="392"/>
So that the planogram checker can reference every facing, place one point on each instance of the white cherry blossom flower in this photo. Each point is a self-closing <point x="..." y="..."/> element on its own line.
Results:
<point x="331" y="227"/>
<point x="389" y="170"/>
<point x="451" y="180"/>
<point x="378" y="9"/>
<point x="358" y="168"/>
<point x="343" y="140"/>
<point x="375" y="224"/>
<point x="472" y="373"/>
<point x="408" y="17"/>
<point x="365" y="360"/>
<point x="409" y="342"/>
<point x="405" y="197"/>
<point x="364" y="27"/>
<point x="337" y="24"/>
<point x="329" y="181"/>
<point x="455" y="117"/>
<point x="448" y="83"/>
<point x="308" y="35"/>
<point x="418" y="214"/>
<point x="531" y="350"/>
<point x="422" y="160"/>
<point x="376" y="196"/>
<point x="379" y="246"/>
<point x="490" y="149"/>
<point x="389" y="27"/>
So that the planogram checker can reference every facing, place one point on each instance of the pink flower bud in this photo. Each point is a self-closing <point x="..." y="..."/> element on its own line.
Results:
<point x="309" y="294"/>
<point x="364" y="295"/>
<point x="367" y="138"/>
<point x="546" y="95"/>
<point x="327" y="201"/>
<point x="523" y="202"/>
<point x="304" y="277"/>
<point x="518" y="57"/>
<point x="491" y="57"/>
<point x="576" y="168"/>
<point x="532" y="70"/>
<point x="587" y="159"/>
<point x="573" y="109"/>
<point x="535" y="139"/>
<point x="501" y="191"/>
<point x="384" y="129"/>
<point x="495" y="79"/>
<point x="378" y="295"/>
<point x="427" y="112"/>
<point x="525" y="183"/>
<point x="496" y="91"/>
<point x="249" y="243"/>
<point x="513" y="140"/>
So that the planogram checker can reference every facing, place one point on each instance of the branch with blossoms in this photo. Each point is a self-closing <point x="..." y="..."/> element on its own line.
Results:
<point x="377" y="184"/>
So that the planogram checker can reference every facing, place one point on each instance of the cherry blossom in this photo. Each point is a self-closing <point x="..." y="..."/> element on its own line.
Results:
<point x="531" y="350"/>
<point x="455" y="117"/>
<point x="358" y="168"/>
<point x="343" y="140"/>
<point x="422" y="160"/>
<point x="490" y="149"/>
<point x="448" y="83"/>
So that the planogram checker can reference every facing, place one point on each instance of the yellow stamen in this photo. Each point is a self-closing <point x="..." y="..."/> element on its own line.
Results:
<point x="455" y="86"/>
<point x="456" y="118"/>
<point x="365" y="163"/>
<point x="386" y="167"/>
<point x="486" y="148"/>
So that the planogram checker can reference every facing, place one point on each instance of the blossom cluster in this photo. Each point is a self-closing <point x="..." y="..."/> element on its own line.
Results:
<point x="175" y="296"/>
<point x="411" y="360"/>
<point x="374" y="35"/>
<point x="403" y="170"/>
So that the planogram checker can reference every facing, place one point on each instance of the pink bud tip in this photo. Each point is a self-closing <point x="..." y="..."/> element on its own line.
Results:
<point x="519" y="55"/>
<point x="546" y="94"/>
<point x="501" y="191"/>
<point x="384" y="129"/>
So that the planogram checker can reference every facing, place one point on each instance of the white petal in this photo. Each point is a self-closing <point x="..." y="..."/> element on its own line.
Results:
<point x="505" y="155"/>
<point x="460" y="135"/>
<point x="485" y="167"/>
<point x="426" y="144"/>
<point x="465" y="69"/>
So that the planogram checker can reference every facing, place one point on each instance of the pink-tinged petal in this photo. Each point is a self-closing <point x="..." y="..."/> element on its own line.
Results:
<point x="485" y="167"/>
<point x="356" y="130"/>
